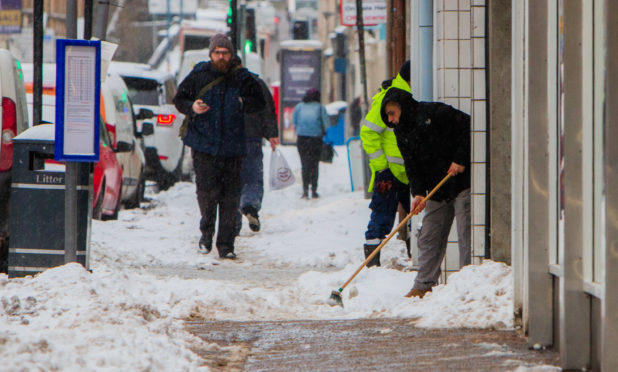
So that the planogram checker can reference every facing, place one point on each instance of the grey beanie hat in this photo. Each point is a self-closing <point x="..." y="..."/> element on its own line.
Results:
<point x="222" y="41"/>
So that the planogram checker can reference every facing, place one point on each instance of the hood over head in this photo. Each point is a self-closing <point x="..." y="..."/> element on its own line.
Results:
<point x="405" y="101"/>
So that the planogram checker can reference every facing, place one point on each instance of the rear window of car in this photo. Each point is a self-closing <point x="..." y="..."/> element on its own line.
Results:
<point x="143" y="91"/>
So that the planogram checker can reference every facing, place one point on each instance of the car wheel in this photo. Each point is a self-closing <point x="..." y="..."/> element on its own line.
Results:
<point x="97" y="211"/>
<point x="139" y="193"/>
<point x="114" y="216"/>
<point x="165" y="180"/>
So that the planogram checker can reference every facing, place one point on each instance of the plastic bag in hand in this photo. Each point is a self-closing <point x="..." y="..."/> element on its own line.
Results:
<point x="281" y="175"/>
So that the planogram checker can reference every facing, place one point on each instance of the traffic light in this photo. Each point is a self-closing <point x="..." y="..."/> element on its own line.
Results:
<point x="250" y="31"/>
<point x="231" y="22"/>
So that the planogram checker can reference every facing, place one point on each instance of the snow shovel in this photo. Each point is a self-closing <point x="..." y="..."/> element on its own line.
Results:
<point x="335" y="296"/>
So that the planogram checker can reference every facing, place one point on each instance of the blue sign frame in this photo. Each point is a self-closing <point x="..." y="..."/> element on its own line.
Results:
<point x="61" y="50"/>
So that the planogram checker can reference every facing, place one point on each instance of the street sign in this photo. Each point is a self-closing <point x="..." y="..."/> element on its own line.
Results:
<point x="10" y="16"/>
<point x="160" y="6"/>
<point x="78" y="87"/>
<point x="374" y="12"/>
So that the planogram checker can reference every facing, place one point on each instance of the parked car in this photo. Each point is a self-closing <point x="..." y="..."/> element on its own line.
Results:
<point x="13" y="120"/>
<point x="107" y="182"/>
<point x="117" y="113"/>
<point x="154" y="91"/>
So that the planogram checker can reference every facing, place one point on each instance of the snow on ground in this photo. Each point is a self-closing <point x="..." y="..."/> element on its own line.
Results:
<point x="147" y="276"/>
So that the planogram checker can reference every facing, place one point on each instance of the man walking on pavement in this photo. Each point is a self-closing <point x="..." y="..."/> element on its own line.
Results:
<point x="259" y="124"/>
<point x="215" y="96"/>
<point x="388" y="176"/>
<point x="434" y="139"/>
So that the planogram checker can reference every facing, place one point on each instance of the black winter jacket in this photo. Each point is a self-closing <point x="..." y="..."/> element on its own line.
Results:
<point x="220" y="131"/>
<point x="431" y="136"/>
<point x="262" y="123"/>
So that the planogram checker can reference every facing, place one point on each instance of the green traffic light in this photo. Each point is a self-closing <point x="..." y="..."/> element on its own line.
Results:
<point x="248" y="46"/>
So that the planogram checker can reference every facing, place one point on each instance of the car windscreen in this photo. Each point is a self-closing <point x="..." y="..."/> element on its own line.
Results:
<point x="143" y="91"/>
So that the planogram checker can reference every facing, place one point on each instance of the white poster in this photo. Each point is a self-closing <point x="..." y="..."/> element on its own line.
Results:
<point x="79" y="104"/>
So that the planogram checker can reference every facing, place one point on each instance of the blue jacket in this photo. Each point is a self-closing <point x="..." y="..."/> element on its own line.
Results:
<point x="220" y="131"/>
<point x="310" y="119"/>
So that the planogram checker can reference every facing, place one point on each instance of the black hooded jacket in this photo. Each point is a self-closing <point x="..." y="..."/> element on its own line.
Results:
<point x="262" y="123"/>
<point x="431" y="136"/>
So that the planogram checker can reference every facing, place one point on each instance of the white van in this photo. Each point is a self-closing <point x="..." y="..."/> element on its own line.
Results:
<point x="154" y="91"/>
<point x="118" y="115"/>
<point x="13" y="120"/>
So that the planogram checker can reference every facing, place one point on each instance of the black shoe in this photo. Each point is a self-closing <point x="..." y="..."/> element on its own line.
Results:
<point x="375" y="261"/>
<point x="252" y="215"/>
<point x="229" y="256"/>
<point x="305" y="196"/>
<point x="205" y="245"/>
<point x="254" y="222"/>
<point x="314" y="195"/>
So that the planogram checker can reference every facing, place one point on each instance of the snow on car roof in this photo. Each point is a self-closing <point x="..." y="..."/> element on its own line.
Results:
<point x="140" y="70"/>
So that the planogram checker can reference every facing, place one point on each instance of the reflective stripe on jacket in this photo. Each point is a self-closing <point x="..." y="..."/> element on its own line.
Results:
<point x="379" y="141"/>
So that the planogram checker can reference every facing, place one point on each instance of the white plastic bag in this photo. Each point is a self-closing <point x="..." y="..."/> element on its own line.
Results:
<point x="281" y="175"/>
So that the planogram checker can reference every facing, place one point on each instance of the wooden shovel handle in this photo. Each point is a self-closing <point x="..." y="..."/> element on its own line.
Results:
<point x="402" y="223"/>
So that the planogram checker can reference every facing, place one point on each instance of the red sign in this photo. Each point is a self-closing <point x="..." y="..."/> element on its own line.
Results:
<point x="374" y="12"/>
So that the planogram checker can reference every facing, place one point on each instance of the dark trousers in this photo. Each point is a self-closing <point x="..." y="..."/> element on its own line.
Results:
<point x="217" y="180"/>
<point x="309" y="149"/>
<point x="384" y="207"/>
<point x="252" y="178"/>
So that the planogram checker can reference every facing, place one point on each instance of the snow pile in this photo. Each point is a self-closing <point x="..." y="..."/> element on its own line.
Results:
<point x="69" y="319"/>
<point x="475" y="297"/>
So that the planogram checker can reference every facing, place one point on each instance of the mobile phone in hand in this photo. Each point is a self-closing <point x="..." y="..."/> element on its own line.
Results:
<point x="203" y="104"/>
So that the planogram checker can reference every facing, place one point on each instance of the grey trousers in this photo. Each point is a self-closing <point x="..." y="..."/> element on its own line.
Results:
<point x="433" y="237"/>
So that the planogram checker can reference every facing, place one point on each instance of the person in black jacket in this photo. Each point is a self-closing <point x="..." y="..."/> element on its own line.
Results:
<point x="216" y="135"/>
<point x="259" y="124"/>
<point x="434" y="139"/>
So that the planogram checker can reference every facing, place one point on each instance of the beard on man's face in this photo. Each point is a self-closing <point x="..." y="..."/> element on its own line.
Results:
<point x="221" y="65"/>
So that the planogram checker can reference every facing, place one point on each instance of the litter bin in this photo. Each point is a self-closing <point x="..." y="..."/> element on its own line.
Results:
<point x="335" y="135"/>
<point x="37" y="205"/>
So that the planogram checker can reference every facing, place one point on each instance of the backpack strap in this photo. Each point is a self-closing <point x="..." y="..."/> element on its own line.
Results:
<point x="185" y="123"/>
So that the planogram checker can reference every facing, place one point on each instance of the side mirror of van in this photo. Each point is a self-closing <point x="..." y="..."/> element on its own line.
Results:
<point x="147" y="129"/>
<point x="144" y="114"/>
<point x="122" y="146"/>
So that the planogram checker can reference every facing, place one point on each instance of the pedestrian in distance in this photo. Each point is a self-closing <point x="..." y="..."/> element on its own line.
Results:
<point x="311" y="121"/>
<point x="389" y="182"/>
<point x="215" y="95"/>
<point x="434" y="139"/>
<point x="356" y="114"/>
<point x="258" y="124"/>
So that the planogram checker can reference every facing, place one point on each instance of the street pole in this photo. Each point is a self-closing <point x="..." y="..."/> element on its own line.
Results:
<point x="361" y="51"/>
<point x="234" y="23"/>
<point x="88" y="11"/>
<point x="71" y="167"/>
<point x="361" y="46"/>
<point x="102" y="16"/>
<point x="37" y="54"/>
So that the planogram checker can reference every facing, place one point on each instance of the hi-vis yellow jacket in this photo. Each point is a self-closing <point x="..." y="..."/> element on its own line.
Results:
<point x="379" y="141"/>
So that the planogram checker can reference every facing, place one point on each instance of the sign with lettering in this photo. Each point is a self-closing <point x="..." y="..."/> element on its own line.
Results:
<point x="10" y="16"/>
<point x="374" y="12"/>
<point x="175" y="6"/>
<point x="78" y="67"/>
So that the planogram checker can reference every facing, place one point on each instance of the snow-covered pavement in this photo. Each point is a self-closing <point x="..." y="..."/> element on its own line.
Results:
<point x="147" y="276"/>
